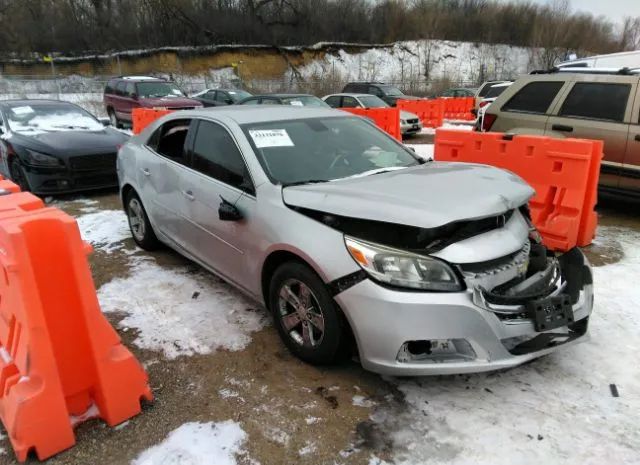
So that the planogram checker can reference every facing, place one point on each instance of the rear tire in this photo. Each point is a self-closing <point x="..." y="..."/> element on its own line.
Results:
<point x="18" y="175"/>
<point x="307" y="319"/>
<point x="113" y="119"/>
<point x="139" y="224"/>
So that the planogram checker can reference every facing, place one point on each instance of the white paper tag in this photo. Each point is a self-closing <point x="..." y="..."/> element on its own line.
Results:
<point x="22" y="110"/>
<point x="296" y="103"/>
<point x="271" y="138"/>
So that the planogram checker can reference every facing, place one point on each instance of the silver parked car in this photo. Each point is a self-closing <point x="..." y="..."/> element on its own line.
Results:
<point x="409" y="122"/>
<point x="352" y="241"/>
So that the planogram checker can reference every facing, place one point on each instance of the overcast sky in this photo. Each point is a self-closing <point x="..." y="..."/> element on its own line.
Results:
<point x="615" y="10"/>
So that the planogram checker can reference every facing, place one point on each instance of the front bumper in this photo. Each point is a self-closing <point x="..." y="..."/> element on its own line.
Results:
<point x="69" y="179"/>
<point x="384" y="320"/>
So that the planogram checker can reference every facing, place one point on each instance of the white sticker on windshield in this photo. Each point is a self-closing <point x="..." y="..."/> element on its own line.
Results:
<point x="296" y="103"/>
<point x="22" y="110"/>
<point x="270" y="138"/>
<point x="176" y="92"/>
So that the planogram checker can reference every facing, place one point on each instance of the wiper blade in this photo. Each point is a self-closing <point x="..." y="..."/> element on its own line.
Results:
<point x="300" y="183"/>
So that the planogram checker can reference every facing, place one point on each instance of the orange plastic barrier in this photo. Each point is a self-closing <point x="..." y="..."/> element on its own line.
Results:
<point x="563" y="172"/>
<point x="61" y="362"/>
<point x="387" y="119"/>
<point x="459" y="108"/>
<point x="8" y="186"/>
<point x="430" y="112"/>
<point x="142" y="117"/>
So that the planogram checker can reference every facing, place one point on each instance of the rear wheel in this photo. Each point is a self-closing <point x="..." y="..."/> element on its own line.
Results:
<point x="18" y="174"/>
<point x="113" y="119"/>
<point x="305" y="315"/>
<point x="139" y="224"/>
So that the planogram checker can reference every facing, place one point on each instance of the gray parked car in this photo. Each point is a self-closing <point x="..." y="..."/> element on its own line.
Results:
<point x="350" y="240"/>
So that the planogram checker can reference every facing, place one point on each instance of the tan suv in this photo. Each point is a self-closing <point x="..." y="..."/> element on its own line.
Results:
<point x="582" y="103"/>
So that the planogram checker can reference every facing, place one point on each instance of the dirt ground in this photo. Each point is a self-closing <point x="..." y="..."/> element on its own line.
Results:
<point x="282" y="403"/>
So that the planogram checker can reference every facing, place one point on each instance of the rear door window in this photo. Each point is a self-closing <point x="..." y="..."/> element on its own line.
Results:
<point x="110" y="87"/>
<point x="333" y="101"/>
<point x="599" y="101"/>
<point x="222" y="97"/>
<point x="130" y="89"/>
<point x="535" y="97"/>
<point x="349" y="102"/>
<point x="170" y="139"/>
<point x="120" y="88"/>
<point x="215" y="154"/>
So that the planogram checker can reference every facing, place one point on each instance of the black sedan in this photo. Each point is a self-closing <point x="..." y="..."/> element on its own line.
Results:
<point x="53" y="147"/>
<point x="220" y="97"/>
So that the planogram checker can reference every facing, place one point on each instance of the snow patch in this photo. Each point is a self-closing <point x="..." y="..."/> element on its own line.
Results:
<point x="361" y="401"/>
<point x="424" y="151"/>
<point x="309" y="448"/>
<point x="105" y="230"/>
<point x="159" y="303"/>
<point x="198" y="443"/>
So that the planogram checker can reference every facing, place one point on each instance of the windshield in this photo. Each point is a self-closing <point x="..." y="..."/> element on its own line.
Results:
<point x="35" y="118"/>
<point x="392" y="91"/>
<point x="158" y="90"/>
<point x="371" y="101"/>
<point x="324" y="149"/>
<point x="238" y="95"/>
<point x="304" y="101"/>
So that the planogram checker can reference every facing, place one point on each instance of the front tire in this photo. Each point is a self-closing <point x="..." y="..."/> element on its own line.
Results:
<point x="139" y="223"/>
<point x="306" y="316"/>
<point x="18" y="175"/>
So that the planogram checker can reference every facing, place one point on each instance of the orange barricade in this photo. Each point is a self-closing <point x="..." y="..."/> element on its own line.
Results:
<point x="459" y="108"/>
<point x="387" y="119"/>
<point x="8" y="186"/>
<point x="142" y="117"/>
<point x="430" y="112"/>
<point x="61" y="362"/>
<point x="563" y="172"/>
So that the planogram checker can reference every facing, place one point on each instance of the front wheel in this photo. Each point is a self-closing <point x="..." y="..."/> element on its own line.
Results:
<point x="18" y="175"/>
<point x="305" y="315"/>
<point x="139" y="223"/>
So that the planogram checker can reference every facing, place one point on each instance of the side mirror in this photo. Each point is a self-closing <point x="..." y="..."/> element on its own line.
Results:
<point x="228" y="212"/>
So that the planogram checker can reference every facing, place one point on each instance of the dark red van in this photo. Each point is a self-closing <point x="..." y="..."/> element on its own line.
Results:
<point x="122" y="94"/>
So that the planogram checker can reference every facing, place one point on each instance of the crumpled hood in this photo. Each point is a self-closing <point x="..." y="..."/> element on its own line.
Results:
<point x="425" y="196"/>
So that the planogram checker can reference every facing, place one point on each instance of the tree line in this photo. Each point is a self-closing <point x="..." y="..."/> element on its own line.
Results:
<point x="88" y="26"/>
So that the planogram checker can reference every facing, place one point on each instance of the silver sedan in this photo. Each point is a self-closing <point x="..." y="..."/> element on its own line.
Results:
<point x="354" y="244"/>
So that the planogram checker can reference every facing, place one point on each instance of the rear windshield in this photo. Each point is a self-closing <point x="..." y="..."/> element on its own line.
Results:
<point x="158" y="90"/>
<point x="495" y="91"/>
<point x="237" y="95"/>
<point x="486" y="88"/>
<point x="391" y="91"/>
<point x="304" y="101"/>
<point x="371" y="101"/>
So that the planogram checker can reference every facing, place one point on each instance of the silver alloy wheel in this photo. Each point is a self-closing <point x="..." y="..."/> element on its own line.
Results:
<point x="136" y="219"/>
<point x="300" y="313"/>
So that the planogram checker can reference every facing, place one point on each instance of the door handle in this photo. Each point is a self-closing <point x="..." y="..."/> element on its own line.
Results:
<point x="189" y="195"/>
<point x="562" y="128"/>
<point x="637" y="138"/>
<point x="146" y="172"/>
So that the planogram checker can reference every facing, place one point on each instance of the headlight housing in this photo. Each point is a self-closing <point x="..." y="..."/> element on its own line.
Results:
<point x="403" y="269"/>
<point x="40" y="159"/>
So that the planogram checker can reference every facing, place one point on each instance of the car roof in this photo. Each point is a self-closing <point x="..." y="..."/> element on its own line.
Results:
<point x="139" y="78"/>
<point x="350" y="94"/>
<point x="261" y="113"/>
<point x="282" y="95"/>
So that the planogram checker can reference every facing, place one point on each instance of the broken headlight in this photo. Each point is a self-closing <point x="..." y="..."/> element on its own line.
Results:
<point x="401" y="268"/>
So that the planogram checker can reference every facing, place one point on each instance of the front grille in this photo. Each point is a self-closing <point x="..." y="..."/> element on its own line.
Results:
<point x="102" y="161"/>
<point x="99" y="180"/>
<point x="413" y="121"/>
